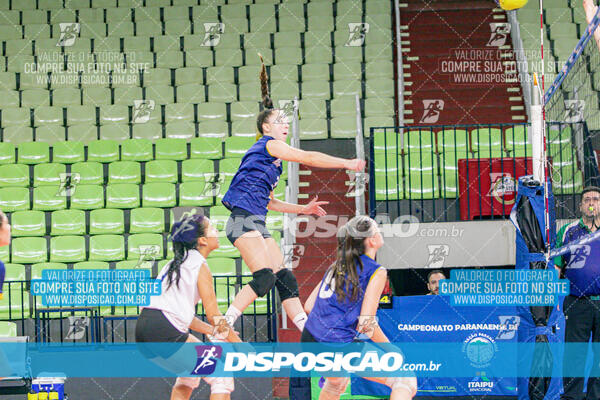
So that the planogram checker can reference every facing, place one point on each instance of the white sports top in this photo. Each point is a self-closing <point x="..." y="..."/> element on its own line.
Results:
<point x="178" y="303"/>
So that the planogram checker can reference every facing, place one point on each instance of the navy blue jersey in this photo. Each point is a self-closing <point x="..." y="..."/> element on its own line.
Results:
<point x="582" y="263"/>
<point x="332" y="321"/>
<point x="255" y="179"/>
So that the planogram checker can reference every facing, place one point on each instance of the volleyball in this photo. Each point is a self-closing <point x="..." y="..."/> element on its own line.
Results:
<point x="511" y="4"/>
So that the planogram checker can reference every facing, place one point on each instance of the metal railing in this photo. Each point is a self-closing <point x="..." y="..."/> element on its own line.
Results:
<point x="466" y="172"/>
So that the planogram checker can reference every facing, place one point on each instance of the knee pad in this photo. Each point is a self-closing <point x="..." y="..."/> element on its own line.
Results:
<point x="262" y="281"/>
<point x="336" y="386"/>
<point x="188" y="381"/>
<point x="408" y="383"/>
<point x="220" y="385"/>
<point x="286" y="283"/>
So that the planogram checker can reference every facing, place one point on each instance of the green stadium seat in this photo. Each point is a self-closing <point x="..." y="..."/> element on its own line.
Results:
<point x="87" y="197"/>
<point x="569" y="186"/>
<point x="127" y="95"/>
<point x="8" y="82"/>
<point x="125" y="195"/>
<point x="157" y="76"/>
<point x="244" y="110"/>
<point x="8" y="329"/>
<point x="229" y="166"/>
<point x="17" y="63"/>
<point x="249" y="91"/>
<point x="258" y="39"/>
<point x="343" y="127"/>
<point x="189" y="75"/>
<point x="197" y="170"/>
<point x="107" y="221"/>
<point x="147" y="131"/>
<point x="243" y="129"/>
<point x="191" y="93"/>
<point x="90" y="173"/>
<point x="83" y="133"/>
<point x="206" y="147"/>
<point x="421" y="185"/>
<point x="46" y="115"/>
<point x="124" y="172"/>
<point x="170" y="149"/>
<point x="199" y="57"/>
<point x="48" y="174"/>
<point x="287" y="39"/>
<point x="147" y="220"/>
<point x="7" y="153"/>
<point x="135" y="44"/>
<point x="238" y="146"/>
<point x="516" y="138"/>
<point x="222" y="92"/>
<point x="136" y="150"/>
<point x="189" y="195"/>
<point x="179" y="112"/>
<point x="388" y="186"/>
<point x="213" y="129"/>
<point x="68" y="222"/>
<point x="96" y="96"/>
<point x="91" y="265"/>
<point x="219" y="75"/>
<point x="212" y="111"/>
<point x="47" y="198"/>
<point x="28" y="223"/>
<point x="419" y="141"/>
<point x="14" y="175"/>
<point x="17" y="134"/>
<point x="316" y="90"/>
<point x="288" y="23"/>
<point x="107" y="248"/>
<point x="36" y="269"/>
<point x="103" y="151"/>
<point x="169" y="59"/>
<point x="66" y="97"/>
<point x="347" y="88"/>
<point x="313" y="128"/>
<point x="421" y="162"/>
<point x="114" y="114"/>
<point x="159" y="195"/>
<point x="312" y="72"/>
<point x="177" y="12"/>
<point x="181" y="130"/>
<point x="485" y="139"/>
<point x="29" y="250"/>
<point x="379" y="107"/>
<point x="67" y="249"/>
<point x="456" y="140"/>
<point x="379" y="88"/>
<point x="9" y="98"/>
<point x="161" y="171"/>
<point x="288" y="56"/>
<point x="15" y="305"/>
<point x="50" y="134"/>
<point x="312" y="109"/>
<point x="145" y="246"/>
<point x="14" y="199"/>
<point x="33" y="153"/>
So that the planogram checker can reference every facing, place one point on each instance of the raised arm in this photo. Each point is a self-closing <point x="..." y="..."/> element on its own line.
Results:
<point x="209" y="301"/>
<point x="367" y="322"/>
<point x="310" y="302"/>
<point x="282" y="150"/>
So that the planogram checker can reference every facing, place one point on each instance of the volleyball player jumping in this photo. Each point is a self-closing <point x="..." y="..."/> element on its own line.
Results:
<point x="185" y="281"/>
<point x="345" y="303"/>
<point x="249" y="197"/>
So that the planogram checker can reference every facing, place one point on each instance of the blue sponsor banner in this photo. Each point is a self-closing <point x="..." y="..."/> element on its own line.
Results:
<point x="482" y="338"/>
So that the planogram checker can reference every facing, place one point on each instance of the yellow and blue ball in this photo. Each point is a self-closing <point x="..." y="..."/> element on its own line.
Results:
<point x="511" y="4"/>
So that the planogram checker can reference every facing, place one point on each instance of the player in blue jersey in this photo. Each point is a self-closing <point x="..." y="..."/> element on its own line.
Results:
<point x="4" y="241"/>
<point x="344" y="304"/>
<point x="250" y="196"/>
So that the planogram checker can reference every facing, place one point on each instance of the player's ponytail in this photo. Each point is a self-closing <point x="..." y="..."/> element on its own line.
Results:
<point x="351" y="245"/>
<point x="266" y="101"/>
<point x="184" y="234"/>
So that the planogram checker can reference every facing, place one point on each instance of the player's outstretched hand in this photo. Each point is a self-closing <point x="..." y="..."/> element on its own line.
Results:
<point x="356" y="164"/>
<point x="314" y="207"/>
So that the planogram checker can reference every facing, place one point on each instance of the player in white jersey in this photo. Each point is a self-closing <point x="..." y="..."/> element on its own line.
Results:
<point x="186" y="280"/>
